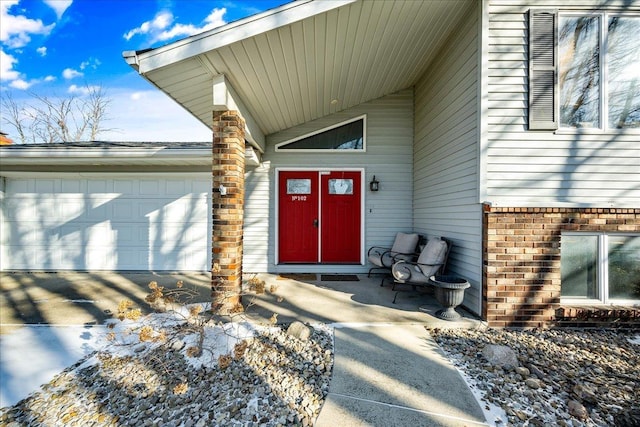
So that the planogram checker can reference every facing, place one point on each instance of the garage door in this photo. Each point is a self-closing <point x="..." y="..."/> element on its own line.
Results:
<point x="151" y="223"/>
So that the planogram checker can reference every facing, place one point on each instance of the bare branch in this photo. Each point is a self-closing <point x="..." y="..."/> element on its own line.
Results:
<point x="14" y="116"/>
<point x="58" y="119"/>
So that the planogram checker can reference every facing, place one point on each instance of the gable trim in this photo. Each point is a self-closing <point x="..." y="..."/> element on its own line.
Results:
<point x="149" y="60"/>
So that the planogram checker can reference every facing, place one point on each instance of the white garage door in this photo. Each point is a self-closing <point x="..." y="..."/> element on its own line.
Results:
<point x="148" y="223"/>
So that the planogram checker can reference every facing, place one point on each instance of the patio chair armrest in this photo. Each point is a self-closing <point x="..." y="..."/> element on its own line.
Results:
<point x="410" y="257"/>
<point x="405" y="271"/>
<point x="378" y="250"/>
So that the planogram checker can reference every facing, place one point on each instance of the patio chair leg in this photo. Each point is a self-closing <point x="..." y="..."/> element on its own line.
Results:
<point x="394" y="297"/>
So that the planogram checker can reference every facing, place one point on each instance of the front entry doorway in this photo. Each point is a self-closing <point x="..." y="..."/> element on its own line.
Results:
<point x="320" y="217"/>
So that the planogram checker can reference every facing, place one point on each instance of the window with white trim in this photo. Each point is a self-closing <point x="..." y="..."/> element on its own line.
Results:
<point x="584" y="70"/>
<point x="600" y="267"/>
<point x="344" y="136"/>
<point x="599" y="66"/>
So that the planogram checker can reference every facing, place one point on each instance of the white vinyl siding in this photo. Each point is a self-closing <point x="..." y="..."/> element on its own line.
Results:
<point x="389" y="139"/>
<point x="107" y="222"/>
<point x="446" y="155"/>
<point x="565" y="168"/>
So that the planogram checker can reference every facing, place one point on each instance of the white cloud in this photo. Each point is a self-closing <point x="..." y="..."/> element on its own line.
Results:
<point x="70" y="73"/>
<point x="161" y="21"/>
<point x="42" y="51"/>
<point x="82" y="90"/>
<point x="49" y="79"/>
<point x="162" y="27"/>
<point x="24" y="84"/>
<point x="16" y="30"/>
<point x="21" y="84"/>
<point x="6" y="66"/>
<point x="92" y="63"/>
<point x="60" y="6"/>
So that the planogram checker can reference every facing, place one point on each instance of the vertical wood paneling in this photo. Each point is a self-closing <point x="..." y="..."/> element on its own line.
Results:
<point x="388" y="157"/>
<point x="289" y="75"/>
<point x="445" y="160"/>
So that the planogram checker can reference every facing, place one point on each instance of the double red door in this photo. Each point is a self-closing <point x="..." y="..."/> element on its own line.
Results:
<point x="319" y="217"/>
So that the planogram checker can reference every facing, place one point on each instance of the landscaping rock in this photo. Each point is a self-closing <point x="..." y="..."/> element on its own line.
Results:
<point x="500" y="355"/>
<point x="299" y="330"/>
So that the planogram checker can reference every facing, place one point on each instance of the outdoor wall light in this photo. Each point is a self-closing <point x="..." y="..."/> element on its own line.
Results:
<point x="222" y="190"/>
<point x="374" y="184"/>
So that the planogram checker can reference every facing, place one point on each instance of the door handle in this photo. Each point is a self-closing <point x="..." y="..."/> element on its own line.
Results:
<point x="315" y="223"/>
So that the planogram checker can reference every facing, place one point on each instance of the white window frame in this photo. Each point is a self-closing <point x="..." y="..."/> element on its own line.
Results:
<point x="604" y="73"/>
<point x="281" y="146"/>
<point x="602" y="265"/>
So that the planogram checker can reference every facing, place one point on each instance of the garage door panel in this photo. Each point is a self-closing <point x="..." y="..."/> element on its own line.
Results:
<point x="122" y="224"/>
<point x="69" y="236"/>
<point x="175" y="188"/>
<point x="97" y="186"/>
<point x="70" y="186"/>
<point x="70" y="206"/>
<point x="123" y="209"/>
<point x="124" y="186"/>
<point x="149" y="187"/>
<point x="45" y="186"/>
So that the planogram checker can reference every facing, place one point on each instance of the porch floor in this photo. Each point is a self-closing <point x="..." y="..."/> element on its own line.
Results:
<point x="85" y="298"/>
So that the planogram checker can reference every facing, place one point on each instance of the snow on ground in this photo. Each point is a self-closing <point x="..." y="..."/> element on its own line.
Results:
<point x="32" y="355"/>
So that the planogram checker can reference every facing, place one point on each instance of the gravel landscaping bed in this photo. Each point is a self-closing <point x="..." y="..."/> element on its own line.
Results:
<point x="270" y="379"/>
<point x="551" y="377"/>
<point x="279" y="376"/>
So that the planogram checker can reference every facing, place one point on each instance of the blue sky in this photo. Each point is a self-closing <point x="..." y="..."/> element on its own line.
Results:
<point x="58" y="48"/>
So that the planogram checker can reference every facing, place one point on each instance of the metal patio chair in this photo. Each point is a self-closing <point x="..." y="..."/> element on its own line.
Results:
<point x="404" y="247"/>
<point x="432" y="260"/>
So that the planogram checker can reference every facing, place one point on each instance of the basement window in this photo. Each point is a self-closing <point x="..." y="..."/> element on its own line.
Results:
<point x="342" y="137"/>
<point x="600" y="268"/>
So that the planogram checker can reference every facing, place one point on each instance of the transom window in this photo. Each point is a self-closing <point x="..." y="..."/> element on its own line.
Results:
<point x="599" y="71"/>
<point x="345" y="136"/>
<point x="599" y="267"/>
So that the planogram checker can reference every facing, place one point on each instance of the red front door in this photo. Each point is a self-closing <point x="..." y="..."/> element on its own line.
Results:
<point x="298" y="218"/>
<point x="341" y="217"/>
<point x="319" y="217"/>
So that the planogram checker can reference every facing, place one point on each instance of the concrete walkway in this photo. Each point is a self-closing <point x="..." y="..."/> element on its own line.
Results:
<point x="395" y="375"/>
<point x="388" y="371"/>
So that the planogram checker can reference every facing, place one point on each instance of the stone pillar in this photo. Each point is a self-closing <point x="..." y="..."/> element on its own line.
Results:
<point x="227" y="211"/>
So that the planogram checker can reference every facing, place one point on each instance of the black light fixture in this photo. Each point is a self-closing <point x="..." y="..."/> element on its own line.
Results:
<point x="373" y="185"/>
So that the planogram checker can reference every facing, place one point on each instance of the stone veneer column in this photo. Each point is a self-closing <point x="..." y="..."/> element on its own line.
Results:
<point x="228" y="165"/>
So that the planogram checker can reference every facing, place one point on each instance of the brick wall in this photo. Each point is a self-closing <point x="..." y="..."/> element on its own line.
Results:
<point x="228" y="210"/>
<point x="521" y="258"/>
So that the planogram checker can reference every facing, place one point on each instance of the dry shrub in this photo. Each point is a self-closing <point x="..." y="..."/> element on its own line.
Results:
<point x="224" y="361"/>
<point x="239" y="349"/>
<point x="181" y="388"/>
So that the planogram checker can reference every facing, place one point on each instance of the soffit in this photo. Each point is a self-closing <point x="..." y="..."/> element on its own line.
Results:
<point x="290" y="75"/>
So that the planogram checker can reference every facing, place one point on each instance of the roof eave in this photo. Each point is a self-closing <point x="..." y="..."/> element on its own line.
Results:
<point x="41" y="155"/>
<point x="149" y="60"/>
